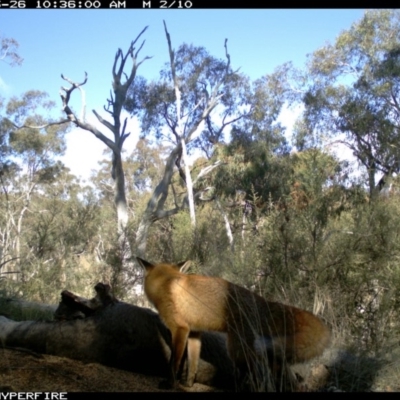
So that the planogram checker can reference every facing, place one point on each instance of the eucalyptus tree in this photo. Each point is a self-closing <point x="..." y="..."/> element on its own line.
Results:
<point x="8" y="54"/>
<point x="30" y="148"/>
<point x="196" y="98"/>
<point x="353" y="93"/>
<point x="256" y="167"/>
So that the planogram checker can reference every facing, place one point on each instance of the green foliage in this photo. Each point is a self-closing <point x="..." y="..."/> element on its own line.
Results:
<point x="34" y="149"/>
<point x="200" y="76"/>
<point x="353" y="87"/>
<point x="9" y="51"/>
<point x="48" y="220"/>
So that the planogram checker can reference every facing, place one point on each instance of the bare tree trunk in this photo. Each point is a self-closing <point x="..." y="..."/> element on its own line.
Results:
<point x="227" y="225"/>
<point x="127" y="265"/>
<point x="155" y="207"/>
<point x="185" y="134"/>
<point x="19" y="229"/>
<point x="189" y="184"/>
<point x="120" y="198"/>
<point x="179" y="132"/>
<point x="7" y="245"/>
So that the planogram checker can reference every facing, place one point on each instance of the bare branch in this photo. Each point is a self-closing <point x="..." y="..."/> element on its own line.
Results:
<point x="214" y="94"/>
<point x="155" y="206"/>
<point x="73" y="87"/>
<point x="212" y="101"/>
<point x="207" y="170"/>
<point x="228" y="57"/>
<point x="137" y="38"/>
<point x="175" y="80"/>
<point x="124" y="128"/>
<point x="141" y="62"/>
<point x="195" y="107"/>
<point x="396" y="104"/>
<point x="119" y="54"/>
<point x="124" y="135"/>
<point x="166" y="213"/>
<point x="161" y="191"/>
<point x="65" y="98"/>
<point x="202" y="117"/>
<point x="78" y="122"/>
<point x="63" y="121"/>
<point x="227" y="224"/>
<point x="140" y="48"/>
<point x="73" y="84"/>
<point x="200" y="194"/>
<point x="103" y="121"/>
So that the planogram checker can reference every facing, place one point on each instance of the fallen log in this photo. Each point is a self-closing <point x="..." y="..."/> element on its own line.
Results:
<point x="115" y="334"/>
<point x="25" y="307"/>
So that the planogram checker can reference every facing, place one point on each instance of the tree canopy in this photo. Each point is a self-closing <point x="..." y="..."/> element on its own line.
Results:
<point x="352" y="95"/>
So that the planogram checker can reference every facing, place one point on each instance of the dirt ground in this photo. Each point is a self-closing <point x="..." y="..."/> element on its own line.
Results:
<point x="25" y="371"/>
<point x="22" y="371"/>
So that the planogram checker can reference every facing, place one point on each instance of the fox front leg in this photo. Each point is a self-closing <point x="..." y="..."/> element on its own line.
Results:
<point x="179" y="342"/>
<point x="193" y="356"/>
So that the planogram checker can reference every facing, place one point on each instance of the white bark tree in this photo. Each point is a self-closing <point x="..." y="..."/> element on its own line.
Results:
<point x="182" y="137"/>
<point x="180" y="108"/>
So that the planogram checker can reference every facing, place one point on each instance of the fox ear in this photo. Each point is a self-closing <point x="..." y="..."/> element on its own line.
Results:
<point x="183" y="266"/>
<point x="144" y="264"/>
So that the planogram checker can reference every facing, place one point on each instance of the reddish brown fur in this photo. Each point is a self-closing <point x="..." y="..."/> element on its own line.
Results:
<point x="189" y="304"/>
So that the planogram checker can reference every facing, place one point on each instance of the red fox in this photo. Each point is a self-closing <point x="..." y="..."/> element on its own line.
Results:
<point x="190" y="304"/>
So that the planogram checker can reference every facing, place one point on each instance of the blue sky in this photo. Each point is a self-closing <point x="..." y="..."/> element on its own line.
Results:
<point x="74" y="41"/>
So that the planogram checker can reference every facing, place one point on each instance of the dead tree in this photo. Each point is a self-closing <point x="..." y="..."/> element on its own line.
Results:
<point x="118" y="129"/>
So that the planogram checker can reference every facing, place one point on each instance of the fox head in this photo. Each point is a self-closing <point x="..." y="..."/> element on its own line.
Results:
<point x="148" y="267"/>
